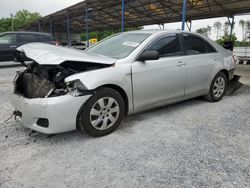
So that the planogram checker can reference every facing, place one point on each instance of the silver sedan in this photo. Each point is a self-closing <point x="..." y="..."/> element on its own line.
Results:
<point x="124" y="74"/>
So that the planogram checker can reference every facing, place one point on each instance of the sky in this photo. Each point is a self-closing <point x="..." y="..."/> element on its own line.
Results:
<point x="45" y="7"/>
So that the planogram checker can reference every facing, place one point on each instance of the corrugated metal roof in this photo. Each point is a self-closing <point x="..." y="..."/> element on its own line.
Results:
<point x="106" y="14"/>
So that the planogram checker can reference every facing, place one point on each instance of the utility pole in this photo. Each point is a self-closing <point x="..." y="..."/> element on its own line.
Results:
<point x="12" y="26"/>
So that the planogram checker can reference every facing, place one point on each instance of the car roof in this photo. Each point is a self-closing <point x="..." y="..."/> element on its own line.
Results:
<point x="158" y="31"/>
<point x="26" y="32"/>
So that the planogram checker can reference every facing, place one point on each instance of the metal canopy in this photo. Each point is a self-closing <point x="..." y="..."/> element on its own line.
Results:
<point x="107" y="14"/>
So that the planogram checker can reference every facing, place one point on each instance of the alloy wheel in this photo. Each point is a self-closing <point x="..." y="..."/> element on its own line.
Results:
<point x="104" y="113"/>
<point x="219" y="87"/>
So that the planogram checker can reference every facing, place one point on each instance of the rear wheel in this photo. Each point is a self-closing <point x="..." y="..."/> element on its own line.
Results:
<point x="217" y="88"/>
<point x="102" y="113"/>
<point x="241" y="62"/>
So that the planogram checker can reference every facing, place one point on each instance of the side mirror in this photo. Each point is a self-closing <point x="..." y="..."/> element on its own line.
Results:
<point x="149" y="55"/>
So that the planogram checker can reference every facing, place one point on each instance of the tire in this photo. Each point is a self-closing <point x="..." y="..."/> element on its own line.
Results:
<point x="102" y="113"/>
<point x="241" y="62"/>
<point x="217" y="88"/>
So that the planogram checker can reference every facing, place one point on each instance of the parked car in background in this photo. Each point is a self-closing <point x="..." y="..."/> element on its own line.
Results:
<point x="75" y="45"/>
<point x="9" y="41"/>
<point x="124" y="74"/>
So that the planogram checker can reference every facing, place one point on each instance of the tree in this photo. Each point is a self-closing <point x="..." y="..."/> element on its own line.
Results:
<point x="226" y="28"/>
<point x="209" y="29"/>
<point x="227" y="38"/>
<point x="23" y="18"/>
<point x="5" y="25"/>
<point x="20" y="19"/>
<point x="217" y="26"/>
<point x="247" y="32"/>
<point x="204" y="31"/>
<point x="242" y="24"/>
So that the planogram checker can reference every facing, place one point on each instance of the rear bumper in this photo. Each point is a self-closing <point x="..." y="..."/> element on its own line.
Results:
<point x="231" y="74"/>
<point x="61" y="112"/>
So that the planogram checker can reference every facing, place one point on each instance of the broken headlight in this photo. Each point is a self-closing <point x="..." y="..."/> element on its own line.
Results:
<point x="76" y="88"/>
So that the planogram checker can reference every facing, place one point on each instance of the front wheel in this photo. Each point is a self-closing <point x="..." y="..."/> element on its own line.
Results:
<point x="217" y="88"/>
<point x="102" y="113"/>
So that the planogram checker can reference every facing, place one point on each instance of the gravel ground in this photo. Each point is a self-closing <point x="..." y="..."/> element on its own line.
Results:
<point x="189" y="144"/>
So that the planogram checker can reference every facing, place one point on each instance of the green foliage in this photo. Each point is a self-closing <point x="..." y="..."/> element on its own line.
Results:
<point x="217" y="27"/>
<point x="5" y="25"/>
<point x="242" y="44"/>
<point x="20" y="19"/>
<point x="204" y="30"/>
<point x="227" y="38"/>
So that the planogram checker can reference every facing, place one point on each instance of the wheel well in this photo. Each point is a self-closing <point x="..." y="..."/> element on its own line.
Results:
<point x="122" y="93"/>
<point x="226" y="73"/>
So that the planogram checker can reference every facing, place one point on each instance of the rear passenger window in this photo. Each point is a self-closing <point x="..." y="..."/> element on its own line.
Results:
<point x="194" y="45"/>
<point x="27" y="38"/>
<point x="168" y="46"/>
<point x="210" y="48"/>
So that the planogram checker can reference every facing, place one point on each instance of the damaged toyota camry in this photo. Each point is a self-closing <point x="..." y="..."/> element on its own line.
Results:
<point x="130" y="72"/>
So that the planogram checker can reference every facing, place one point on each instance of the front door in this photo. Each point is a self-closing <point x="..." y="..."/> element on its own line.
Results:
<point x="156" y="81"/>
<point x="7" y="46"/>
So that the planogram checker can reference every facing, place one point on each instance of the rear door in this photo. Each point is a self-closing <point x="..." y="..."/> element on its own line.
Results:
<point x="156" y="81"/>
<point x="24" y="38"/>
<point x="200" y="59"/>
<point x="7" y="46"/>
<point x="46" y="39"/>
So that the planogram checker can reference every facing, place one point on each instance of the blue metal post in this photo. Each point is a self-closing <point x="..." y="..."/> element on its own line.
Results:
<point x="87" y="25"/>
<point x="123" y="15"/>
<point x="184" y="10"/>
<point x="68" y="31"/>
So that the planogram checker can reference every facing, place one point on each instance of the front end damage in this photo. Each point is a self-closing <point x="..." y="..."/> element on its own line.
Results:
<point x="44" y="102"/>
<point x="43" y="81"/>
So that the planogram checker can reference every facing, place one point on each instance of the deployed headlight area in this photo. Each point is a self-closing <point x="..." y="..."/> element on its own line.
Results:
<point x="42" y="81"/>
<point x="76" y="88"/>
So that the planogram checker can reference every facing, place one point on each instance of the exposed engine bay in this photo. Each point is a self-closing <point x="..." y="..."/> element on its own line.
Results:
<point x="42" y="81"/>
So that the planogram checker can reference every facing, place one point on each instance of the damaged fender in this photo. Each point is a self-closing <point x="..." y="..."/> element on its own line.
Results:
<point x="117" y="75"/>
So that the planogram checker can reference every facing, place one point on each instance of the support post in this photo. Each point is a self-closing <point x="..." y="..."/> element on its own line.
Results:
<point x="232" y="27"/>
<point x="184" y="10"/>
<point x="39" y="26"/>
<point x="189" y="25"/>
<point x="50" y="26"/>
<point x="123" y="15"/>
<point x="68" y="31"/>
<point x="87" y="25"/>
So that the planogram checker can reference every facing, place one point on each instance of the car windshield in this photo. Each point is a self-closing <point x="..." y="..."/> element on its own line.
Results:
<point x="119" y="46"/>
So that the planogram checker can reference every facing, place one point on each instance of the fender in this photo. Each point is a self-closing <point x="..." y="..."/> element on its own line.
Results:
<point x="119" y="75"/>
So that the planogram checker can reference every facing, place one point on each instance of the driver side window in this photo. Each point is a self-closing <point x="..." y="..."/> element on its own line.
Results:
<point x="167" y="46"/>
<point x="8" y="39"/>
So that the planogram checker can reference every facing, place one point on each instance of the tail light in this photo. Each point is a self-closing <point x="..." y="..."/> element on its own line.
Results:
<point x="234" y="59"/>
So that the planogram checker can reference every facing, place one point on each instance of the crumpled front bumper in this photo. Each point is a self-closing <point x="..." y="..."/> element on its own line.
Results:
<point x="61" y="112"/>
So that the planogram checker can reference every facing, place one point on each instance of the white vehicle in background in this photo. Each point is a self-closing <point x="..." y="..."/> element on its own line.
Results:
<point x="242" y="54"/>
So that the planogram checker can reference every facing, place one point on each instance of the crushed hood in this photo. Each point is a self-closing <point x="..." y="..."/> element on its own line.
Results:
<point x="48" y="54"/>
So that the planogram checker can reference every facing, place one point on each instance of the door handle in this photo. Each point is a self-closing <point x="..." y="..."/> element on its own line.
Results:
<point x="13" y="46"/>
<point x="180" y="63"/>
